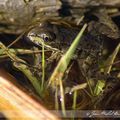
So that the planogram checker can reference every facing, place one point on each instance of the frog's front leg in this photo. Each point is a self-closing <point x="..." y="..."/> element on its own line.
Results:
<point x="37" y="58"/>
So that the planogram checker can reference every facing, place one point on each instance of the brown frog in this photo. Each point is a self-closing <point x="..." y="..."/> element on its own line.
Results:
<point x="89" y="51"/>
<point x="57" y="36"/>
<point x="60" y="37"/>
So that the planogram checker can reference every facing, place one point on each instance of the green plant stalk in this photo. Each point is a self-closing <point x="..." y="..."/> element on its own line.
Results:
<point x="99" y="87"/>
<point x="56" y="99"/>
<point x="67" y="57"/>
<point x="43" y="67"/>
<point x="109" y="62"/>
<point x="62" y="98"/>
<point x="111" y="59"/>
<point x="21" y="65"/>
<point x="65" y="60"/>
<point x="74" y="100"/>
<point x="34" y="81"/>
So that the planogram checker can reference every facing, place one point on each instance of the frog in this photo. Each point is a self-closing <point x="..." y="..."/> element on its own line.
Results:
<point x="59" y="37"/>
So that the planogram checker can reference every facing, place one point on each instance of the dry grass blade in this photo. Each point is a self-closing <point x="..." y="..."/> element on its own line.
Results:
<point x="78" y="87"/>
<point x="20" y="52"/>
<point x="17" y="104"/>
<point x="18" y="38"/>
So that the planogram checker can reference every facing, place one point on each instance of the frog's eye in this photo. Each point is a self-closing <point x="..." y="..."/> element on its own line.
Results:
<point x="47" y="37"/>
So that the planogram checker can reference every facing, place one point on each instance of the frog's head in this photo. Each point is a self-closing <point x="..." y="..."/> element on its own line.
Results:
<point x="46" y="33"/>
<point x="53" y="35"/>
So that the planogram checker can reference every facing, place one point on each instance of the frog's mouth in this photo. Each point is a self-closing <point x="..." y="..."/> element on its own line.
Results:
<point x="47" y="45"/>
